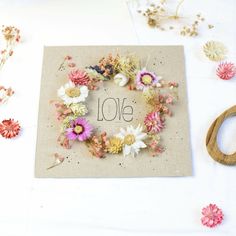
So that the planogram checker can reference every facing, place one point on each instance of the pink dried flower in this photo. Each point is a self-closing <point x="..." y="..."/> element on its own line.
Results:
<point x="5" y="93"/>
<point x="79" y="129"/>
<point x="62" y="111"/>
<point x="212" y="215"/>
<point x="154" y="122"/>
<point x="145" y="79"/>
<point x="173" y="84"/>
<point x="9" y="128"/>
<point x="169" y="99"/>
<point x="79" y="77"/>
<point x="155" y="147"/>
<point x="64" y="141"/>
<point x="98" y="145"/>
<point x="72" y="64"/>
<point x="68" y="58"/>
<point x="226" y="70"/>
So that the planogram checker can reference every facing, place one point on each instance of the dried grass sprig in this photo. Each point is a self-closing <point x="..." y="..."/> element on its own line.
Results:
<point x="128" y="66"/>
<point x="11" y="36"/>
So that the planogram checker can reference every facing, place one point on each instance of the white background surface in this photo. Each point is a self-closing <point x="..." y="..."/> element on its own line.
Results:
<point x="124" y="207"/>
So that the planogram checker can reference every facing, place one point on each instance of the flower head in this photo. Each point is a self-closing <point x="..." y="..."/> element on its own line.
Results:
<point x="154" y="122"/>
<point x="212" y="215"/>
<point x="5" y="94"/>
<point x="132" y="140"/>
<point x="79" y="129"/>
<point x="9" y="128"/>
<point x="226" y="70"/>
<point x="145" y="79"/>
<point x="115" y="145"/>
<point x="79" y="77"/>
<point x="79" y="109"/>
<point x="98" y="145"/>
<point x="70" y="93"/>
<point x="214" y="50"/>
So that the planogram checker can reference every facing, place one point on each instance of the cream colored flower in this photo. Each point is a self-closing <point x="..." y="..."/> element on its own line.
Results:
<point x="215" y="51"/>
<point x="132" y="140"/>
<point x="121" y="79"/>
<point x="79" y="109"/>
<point x="70" y="93"/>
<point x="149" y="94"/>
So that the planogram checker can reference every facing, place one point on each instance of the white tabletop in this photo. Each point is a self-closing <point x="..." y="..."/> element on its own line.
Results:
<point x="111" y="207"/>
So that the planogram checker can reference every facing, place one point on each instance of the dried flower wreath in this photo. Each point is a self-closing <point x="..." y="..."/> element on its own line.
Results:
<point x="124" y="71"/>
<point x="160" y="17"/>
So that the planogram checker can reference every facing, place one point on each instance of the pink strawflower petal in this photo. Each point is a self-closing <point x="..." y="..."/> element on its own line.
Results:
<point x="83" y="133"/>
<point x="140" y="83"/>
<point x="226" y="70"/>
<point x="154" y="122"/>
<point x="79" y="77"/>
<point x="212" y="215"/>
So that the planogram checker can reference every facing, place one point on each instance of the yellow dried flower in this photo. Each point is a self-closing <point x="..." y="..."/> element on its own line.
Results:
<point x="215" y="51"/>
<point x="149" y="94"/>
<point x="128" y="66"/>
<point x="78" y="109"/>
<point x="115" y="145"/>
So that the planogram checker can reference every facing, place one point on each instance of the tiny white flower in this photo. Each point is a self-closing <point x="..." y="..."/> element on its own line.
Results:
<point x="132" y="139"/>
<point x="70" y="93"/>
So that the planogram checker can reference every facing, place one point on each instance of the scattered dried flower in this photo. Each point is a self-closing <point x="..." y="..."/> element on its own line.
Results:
<point x="58" y="159"/>
<point x="98" y="145"/>
<point x="64" y="141"/>
<point x="154" y="144"/>
<point x="212" y="215"/>
<point x="226" y="70"/>
<point x="159" y="15"/>
<point x="11" y="36"/>
<point x="154" y="122"/>
<point x="127" y="65"/>
<point x="9" y="128"/>
<point x="79" y="77"/>
<point x="215" y="51"/>
<point x="62" y="110"/>
<point x="67" y="62"/>
<point x="5" y="94"/>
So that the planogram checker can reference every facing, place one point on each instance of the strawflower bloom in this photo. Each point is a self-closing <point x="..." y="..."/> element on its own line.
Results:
<point x="226" y="70"/>
<point x="79" y="129"/>
<point x="9" y="128"/>
<point x="212" y="216"/>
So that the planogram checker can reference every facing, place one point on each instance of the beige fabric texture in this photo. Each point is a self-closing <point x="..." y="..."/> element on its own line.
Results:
<point x="166" y="61"/>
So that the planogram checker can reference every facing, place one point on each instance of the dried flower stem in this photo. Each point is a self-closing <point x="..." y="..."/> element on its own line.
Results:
<point x="176" y="16"/>
<point x="11" y="36"/>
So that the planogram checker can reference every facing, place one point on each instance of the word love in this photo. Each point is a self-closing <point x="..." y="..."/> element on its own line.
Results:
<point x="111" y="109"/>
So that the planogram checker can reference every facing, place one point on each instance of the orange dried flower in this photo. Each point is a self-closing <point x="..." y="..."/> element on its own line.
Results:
<point x="9" y="128"/>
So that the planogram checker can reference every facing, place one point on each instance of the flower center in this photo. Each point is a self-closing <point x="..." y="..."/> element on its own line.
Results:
<point x="147" y="79"/>
<point x="72" y="92"/>
<point x="129" y="139"/>
<point x="78" y="129"/>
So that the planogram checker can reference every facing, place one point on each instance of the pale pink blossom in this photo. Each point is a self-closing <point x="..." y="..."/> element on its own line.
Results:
<point x="212" y="215"/>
